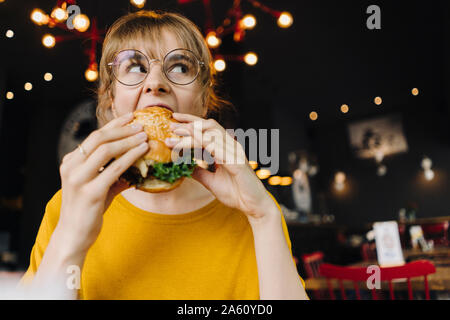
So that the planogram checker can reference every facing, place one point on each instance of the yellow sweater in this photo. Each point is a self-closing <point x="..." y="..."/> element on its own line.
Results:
<point x="204" y="254"/>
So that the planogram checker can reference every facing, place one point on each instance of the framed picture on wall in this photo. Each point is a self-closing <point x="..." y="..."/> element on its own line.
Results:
<point x="377" y="136"/>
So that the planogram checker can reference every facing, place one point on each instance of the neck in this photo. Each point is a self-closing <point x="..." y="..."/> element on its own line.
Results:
<point x="189" y="196"/>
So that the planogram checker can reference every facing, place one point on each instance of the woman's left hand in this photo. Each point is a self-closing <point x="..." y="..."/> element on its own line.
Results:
<point x="234" y="182"/>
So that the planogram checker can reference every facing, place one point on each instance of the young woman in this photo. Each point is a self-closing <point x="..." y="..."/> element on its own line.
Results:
<point x="218" y="235"/>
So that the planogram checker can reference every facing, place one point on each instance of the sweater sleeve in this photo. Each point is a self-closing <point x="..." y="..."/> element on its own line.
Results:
<point x="48" y="224"/>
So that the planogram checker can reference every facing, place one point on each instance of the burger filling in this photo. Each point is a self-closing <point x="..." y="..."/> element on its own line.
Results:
<point x="169" y="171"/>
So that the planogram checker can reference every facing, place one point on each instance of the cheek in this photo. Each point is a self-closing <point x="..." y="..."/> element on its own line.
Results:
<point x="191" y="102"/>
<point x="124" y="100"/>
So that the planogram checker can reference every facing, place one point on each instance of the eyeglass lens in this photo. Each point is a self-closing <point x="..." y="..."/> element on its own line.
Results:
<point x="131" y="67"/>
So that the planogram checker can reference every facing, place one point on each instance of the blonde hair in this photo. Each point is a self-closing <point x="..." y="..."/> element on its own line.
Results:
<point x="130" y="30"/>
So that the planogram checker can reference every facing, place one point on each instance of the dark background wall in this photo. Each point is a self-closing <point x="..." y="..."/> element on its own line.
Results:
<point x="327" y="58"/>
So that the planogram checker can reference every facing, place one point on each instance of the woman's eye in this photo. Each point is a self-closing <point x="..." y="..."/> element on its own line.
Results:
<point x="137" y="68"/>
<point x="179" y="68"/>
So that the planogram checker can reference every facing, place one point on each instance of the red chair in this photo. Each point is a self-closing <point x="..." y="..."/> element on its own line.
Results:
<point x="410" y="270"/>
<point x="311" y="263"/>
<point x="438" y="232"/>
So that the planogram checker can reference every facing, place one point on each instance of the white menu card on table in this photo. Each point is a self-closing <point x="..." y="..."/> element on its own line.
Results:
<point x="389" y="248"/>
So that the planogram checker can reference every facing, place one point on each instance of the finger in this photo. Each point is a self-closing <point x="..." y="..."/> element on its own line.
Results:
<point x="112" y="173"/>
<point x="105" y="152"/>
<point x="203" y="176"/>
<point x="119" y="121"/>
<point x="196" y="126"/>
<point x="119" y="130"/>
<point x="185" y="117"/>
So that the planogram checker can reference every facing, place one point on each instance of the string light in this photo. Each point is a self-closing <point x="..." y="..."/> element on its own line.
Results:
<point x="138" y="3"/>
<point x="274" y="181"/>
<point x="286" y="181"/>
<point x="251" y="58"/>
<point x="285" y="20"/>
<point x="429" y="174"/>
<point x="248" y="22"/>
<point x="263" y="173"/>
<point x="313" y="116"/>
<point x="9" y="34"/>
<point x="344" y="108"/>
<point x="339" y="180"/>
<point x="212" y="40"/>
<point x="220" y="65"/>
<point x="415" y="91"/>
<point x="28" y="86"/>
<point x="253" y="164"/>
<point x="59" y="14"/>
<point x="91" y="73"/>
<point x="81" y="22"/>
<point x="39" y="17"/>
<point x="48" y="40"/>
<point x="9" y="95"/>
<point x="378" y="101"/>
<point x="48" y="76"/>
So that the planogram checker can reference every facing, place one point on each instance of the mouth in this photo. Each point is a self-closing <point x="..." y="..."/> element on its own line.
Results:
<point x="161" y="105"/>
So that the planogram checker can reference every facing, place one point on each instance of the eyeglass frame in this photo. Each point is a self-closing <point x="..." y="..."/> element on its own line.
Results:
<point x="200" y="63"/>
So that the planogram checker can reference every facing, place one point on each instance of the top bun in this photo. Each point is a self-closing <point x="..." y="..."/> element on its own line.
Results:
<point x="156" y="122"/>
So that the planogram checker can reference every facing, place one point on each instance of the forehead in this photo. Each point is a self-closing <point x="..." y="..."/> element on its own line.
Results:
<point x="154" y="45"/>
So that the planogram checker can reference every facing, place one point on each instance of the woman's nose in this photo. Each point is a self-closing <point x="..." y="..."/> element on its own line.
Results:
<point x="155" y="81"/>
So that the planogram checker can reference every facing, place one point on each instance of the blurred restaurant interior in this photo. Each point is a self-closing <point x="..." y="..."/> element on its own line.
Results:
<point x="362" y="114"/>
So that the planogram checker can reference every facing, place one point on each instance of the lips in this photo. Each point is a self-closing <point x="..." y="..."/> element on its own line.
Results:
<point x="162" y="105"/>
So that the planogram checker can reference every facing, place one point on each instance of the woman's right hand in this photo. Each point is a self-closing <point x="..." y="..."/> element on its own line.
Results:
<point x="86" y="192"/>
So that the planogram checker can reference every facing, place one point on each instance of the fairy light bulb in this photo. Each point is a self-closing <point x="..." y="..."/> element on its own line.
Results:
<point x="248" y="22"/>
<point x="9" y="34"/>
<point x="339" y="180"/>
<point x="274" y="181"/>
<point x="9" y="95"/>
<point x="285" y="20"/>
<point x="91" y="73"/>
<point x="313" y="116"/>
<point x="286" y="181"/>
<point x="212" y="40"/>
<point x="251" y="58"/>
<point x="415" y="91"/>
<point x="48" y="76"/>
<point x="220" y="65"/>
<point x="263" y="173"/>
<point x="378" y="101"/>
<point x="138" y="3"/>
<point x="28" y="86"/>
<point x="429" y="174"/>
<point x="253" y="164"/>
<point x="59" y="14"/>
<point x="48" y="40"/>
<point x="39" y="17"/>
<point x="81" y="22"/>
<point x="344" y="108"/>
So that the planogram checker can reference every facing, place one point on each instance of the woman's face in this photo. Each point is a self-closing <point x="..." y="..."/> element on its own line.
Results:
<point x="157" y="89"/>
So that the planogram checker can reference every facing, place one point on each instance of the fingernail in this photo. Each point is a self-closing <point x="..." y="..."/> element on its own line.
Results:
<point x="143" y="145"/>
<point x="174" y="125"/>
<point x="136" y="126"/>
<point x="171" y="140"/>
<point x="141" y="135"/>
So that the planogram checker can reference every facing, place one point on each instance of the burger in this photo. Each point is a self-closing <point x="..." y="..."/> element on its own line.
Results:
<point x="155" y="171"/>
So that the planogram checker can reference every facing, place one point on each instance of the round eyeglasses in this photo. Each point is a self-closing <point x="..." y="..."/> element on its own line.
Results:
<point x="180" y="66"/>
